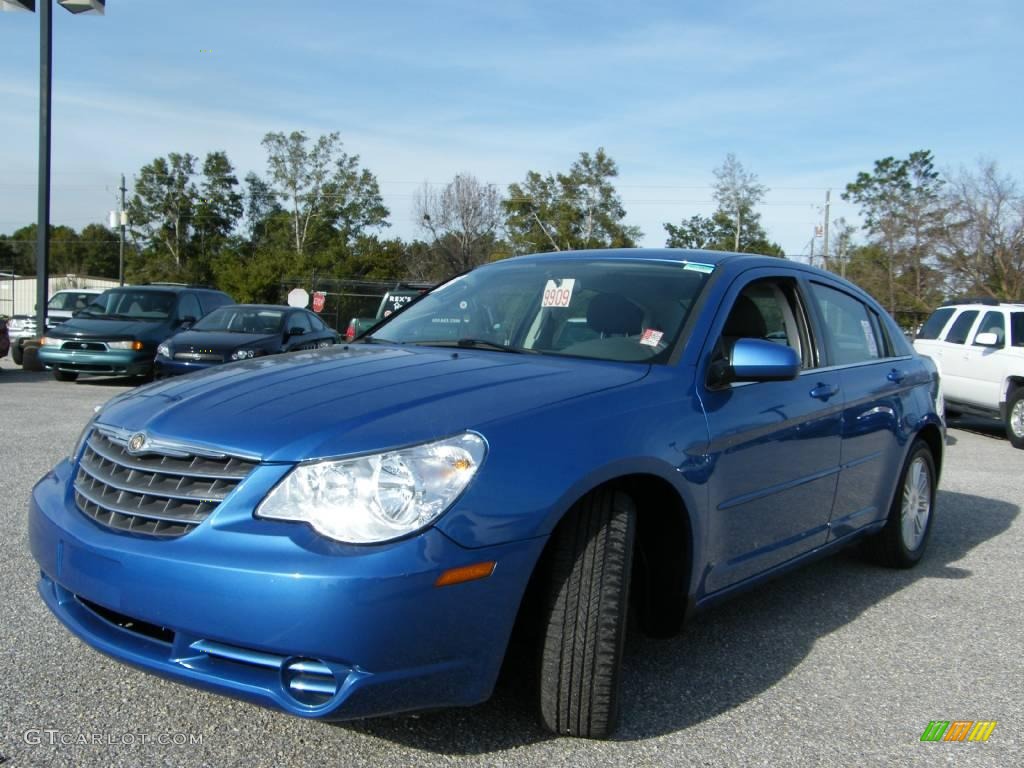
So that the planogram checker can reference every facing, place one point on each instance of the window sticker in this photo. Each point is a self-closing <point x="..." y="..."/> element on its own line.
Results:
<point x="706" y="269"/>
<point x="870" y="337"/>
<point x="651" y="337"/>
<point x="558" y="294"/>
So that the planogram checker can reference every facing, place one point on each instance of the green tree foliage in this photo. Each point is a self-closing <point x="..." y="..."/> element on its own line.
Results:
<point x="903" y="212"/>
<point x="182" y="216"/>
<point x="162" y="211"/>
<point x="219" y="205"/>
<point x="575" y="210"/>
<point x="323" y="189"/>
<point x="696" y="232"/>
<point x="93" y="252"/>
<point x="735" y="225"/>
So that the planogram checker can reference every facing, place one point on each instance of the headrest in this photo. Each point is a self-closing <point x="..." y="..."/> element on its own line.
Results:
<point x="745" y="320"/>
<point x="611" y="313"/>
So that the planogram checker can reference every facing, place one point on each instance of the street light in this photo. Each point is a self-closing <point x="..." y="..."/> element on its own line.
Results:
<point x="45" y="83"/>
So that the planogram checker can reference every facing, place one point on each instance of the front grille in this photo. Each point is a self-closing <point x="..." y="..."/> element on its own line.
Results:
<point x="164" y="490"/>
<point x="195" y="357"/>
<point x="91" y="346"/>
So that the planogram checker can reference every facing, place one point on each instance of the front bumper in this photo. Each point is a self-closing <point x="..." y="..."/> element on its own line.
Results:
<point x="167" y="367"/>
<point x="246" y="607"/>
<point x="110" y="362"/>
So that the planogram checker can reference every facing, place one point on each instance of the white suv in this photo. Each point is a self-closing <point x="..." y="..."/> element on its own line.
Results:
<point x="978" y="347"/>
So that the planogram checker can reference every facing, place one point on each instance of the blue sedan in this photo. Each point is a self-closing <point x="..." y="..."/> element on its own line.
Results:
<point x="241" y="332"/>
<point x="554" y="440"/>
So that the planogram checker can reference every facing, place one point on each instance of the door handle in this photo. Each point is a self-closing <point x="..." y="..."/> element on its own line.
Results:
<point x="896" y="376"/>
<point x="824" y="391"/>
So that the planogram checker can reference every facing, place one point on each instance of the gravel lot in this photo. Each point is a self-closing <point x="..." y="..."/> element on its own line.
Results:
<point x="841" y="663"/>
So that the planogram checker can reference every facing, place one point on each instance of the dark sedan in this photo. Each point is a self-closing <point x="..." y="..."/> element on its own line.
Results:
<point x="241" y="332"/>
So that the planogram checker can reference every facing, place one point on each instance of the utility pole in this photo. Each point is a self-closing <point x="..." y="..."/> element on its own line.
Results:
<point x="824" y="250"/>
<point x="124" y="220"/>
<point x="43" y="231"/>
<point x="739" y="223"/>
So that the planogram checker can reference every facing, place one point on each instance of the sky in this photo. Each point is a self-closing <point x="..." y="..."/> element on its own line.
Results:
<point x="805" y="94"/>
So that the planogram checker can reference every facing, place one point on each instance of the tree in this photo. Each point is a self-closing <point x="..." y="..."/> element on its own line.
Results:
<point x="983" y="241"/>
<point x="219" y="205"/>
<point x="322" y="185"/>
<point x="696" y="232"/>
<point x="162" y="210"/>
<point x="576" y="210"/>
<point x="900" y="203"/>
<point x="737" y="192"/>
<point x="463" y="218"/>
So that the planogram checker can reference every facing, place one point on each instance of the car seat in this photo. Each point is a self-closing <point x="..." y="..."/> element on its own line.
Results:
<point x="612" y="315"/>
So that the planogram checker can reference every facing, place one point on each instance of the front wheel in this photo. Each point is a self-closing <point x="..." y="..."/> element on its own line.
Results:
<point x="16" y="352"/>
<point x="901" y="543"/>
<point x="585" y="630"/>
<point x="65" y="375"/>
<point x="1015" y="418"/>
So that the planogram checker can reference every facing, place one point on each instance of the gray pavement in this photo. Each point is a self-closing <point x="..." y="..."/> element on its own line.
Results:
<point x="840" y="663"/>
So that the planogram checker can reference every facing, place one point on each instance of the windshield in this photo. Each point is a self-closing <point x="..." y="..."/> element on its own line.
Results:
<point x="242" y="320"/>
<point x="628" y="310"/>
<point x="70" y="301"/>
<point x="130" y="305"/>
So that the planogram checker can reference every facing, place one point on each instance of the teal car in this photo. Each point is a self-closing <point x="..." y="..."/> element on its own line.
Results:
<point x="119" y="332"/>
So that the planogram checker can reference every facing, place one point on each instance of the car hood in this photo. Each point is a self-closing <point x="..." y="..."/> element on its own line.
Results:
<point x="80" y="328"/>
<point x="218" y="341"/>
<point x="347" y="400"/>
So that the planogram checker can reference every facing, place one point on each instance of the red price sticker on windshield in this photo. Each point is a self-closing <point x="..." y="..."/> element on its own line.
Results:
<point x="558" y="295"/>
<point x="651" y="337"/>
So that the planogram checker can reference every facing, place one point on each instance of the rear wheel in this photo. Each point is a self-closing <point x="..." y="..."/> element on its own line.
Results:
<point x="901" y="543"/>
<point x="1015" y="418"/>
<point x="65" y="375"/>
<point x="585" y="630"/>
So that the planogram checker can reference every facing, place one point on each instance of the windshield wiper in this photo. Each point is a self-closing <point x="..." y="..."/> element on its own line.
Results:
<point x="476" y="344"/>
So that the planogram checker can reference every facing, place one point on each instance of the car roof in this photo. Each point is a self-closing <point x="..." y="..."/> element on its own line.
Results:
<point x="277" y="307"/>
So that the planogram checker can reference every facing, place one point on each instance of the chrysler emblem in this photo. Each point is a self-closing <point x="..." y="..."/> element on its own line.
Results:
<point x="137" y="442"/>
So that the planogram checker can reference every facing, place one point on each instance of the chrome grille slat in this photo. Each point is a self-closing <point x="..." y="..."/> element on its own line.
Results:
<point x="151" y="481"/>
<point x="166" y="491"/>
<point x="195" y="466"/>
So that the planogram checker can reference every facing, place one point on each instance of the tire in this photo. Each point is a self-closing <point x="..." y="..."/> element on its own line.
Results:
<point x="30" y="358"/>
<point x="584" y="621"/>
<point x="903" y="540"/>
<point x="65" y="375"/>
<point x="16" y="352"/>
<point x="1015" y="418"/>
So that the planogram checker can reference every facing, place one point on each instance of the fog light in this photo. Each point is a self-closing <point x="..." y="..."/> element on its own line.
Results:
<point x="308" y="681"/>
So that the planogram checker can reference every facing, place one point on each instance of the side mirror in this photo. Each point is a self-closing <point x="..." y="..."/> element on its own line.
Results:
<point x="756" y="360"/>
<point x="187" y="321"/>
<point x="987" y="339"/>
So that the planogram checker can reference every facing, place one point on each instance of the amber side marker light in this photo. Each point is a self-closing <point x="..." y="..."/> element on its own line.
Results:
<point x="465" y="573"/>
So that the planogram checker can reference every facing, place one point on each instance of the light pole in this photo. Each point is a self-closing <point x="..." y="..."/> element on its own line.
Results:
<point x="45" y="88"/>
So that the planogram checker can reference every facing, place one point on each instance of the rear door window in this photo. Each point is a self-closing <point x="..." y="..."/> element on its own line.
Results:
<point x="961" y="327"/>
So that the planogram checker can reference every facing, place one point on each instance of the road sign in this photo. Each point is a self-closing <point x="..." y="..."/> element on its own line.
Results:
<point x="297" y="297"/>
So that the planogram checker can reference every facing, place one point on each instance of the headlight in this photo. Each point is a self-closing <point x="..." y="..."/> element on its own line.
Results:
<point x="50" y="341"/>
<point x="380" y="497"/>
<point x="245" y="354"/>
<point x="163" y="351"/>
<point x="133" y="345"/>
